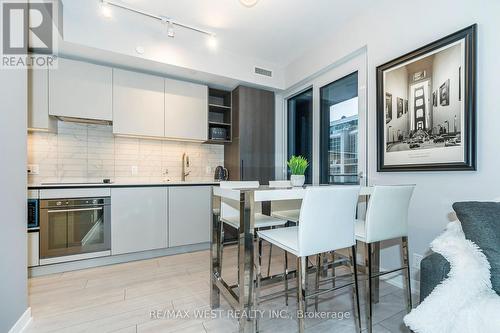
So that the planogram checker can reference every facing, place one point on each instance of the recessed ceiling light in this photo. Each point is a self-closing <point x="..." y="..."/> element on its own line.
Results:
<point x="249" y="3"/>
<point x="139" y="49"/>
<point x="105" y="10"/>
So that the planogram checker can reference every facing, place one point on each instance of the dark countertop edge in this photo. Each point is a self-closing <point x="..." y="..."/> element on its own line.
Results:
<point x="58" y="187"/>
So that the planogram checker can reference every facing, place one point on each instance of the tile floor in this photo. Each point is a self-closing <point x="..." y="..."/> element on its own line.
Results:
<point x="120" y="298"/>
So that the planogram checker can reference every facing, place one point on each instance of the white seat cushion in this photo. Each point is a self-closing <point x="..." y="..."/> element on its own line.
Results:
<point x="285" y="238"/>
<point x="289" y="215"/>
<point x="261" y="221"/>
<point x="360" y="230"/>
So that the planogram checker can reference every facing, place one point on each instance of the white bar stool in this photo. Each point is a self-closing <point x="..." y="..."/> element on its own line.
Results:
<point x="386" y="218"/>
<point x="326" y="224"/>
<point x="286" y="211"/>
<point x="230" y="214"/>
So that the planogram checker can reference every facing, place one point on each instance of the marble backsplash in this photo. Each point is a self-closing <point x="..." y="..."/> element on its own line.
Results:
<point x="90" y="153"/>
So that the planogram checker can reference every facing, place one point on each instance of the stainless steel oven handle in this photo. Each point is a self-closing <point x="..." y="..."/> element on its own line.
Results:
<point x="73" y="210"/>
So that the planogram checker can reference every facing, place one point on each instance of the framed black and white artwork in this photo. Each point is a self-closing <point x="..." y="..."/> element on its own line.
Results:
<point x="388" y="107"/>
<point x="399" y="105"/>
<point x="444" y="93"/>
<point x="434" y="128"/>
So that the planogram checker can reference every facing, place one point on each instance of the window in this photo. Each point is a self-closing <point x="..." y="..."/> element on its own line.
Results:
<point x="300" y="128"/>
<point x="339" y="131"/>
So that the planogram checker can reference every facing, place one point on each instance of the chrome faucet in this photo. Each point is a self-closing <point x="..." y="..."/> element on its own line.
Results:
<point x="185" y="164"/>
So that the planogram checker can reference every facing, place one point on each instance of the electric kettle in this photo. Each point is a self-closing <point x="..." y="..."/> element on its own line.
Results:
<point x="221" y="173"/>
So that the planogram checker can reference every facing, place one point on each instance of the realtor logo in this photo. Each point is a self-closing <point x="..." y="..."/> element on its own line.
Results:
<point x="28" y="38"/>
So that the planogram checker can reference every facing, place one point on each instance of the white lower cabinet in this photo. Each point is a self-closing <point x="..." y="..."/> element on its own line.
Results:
<point x="33" y="249"/>
<point x="138" y="219"/>
<point x="189" y="215"/>
<point x="148" y="218"/>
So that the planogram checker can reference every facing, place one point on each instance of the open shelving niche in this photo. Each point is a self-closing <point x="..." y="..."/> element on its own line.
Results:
<point x="219" y="113"/>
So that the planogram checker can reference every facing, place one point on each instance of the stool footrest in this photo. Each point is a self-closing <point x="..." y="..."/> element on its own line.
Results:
<point x="388" y="272"/>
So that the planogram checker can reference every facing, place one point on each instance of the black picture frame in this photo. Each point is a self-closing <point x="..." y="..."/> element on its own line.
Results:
<point x="460" y="83"/>
<point x="468" y="136"/>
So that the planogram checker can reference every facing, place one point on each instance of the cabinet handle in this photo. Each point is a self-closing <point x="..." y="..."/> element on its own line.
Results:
<point x="241" y="171"/>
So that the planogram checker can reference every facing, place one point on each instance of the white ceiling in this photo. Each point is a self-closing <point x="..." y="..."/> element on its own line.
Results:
<point x="271" y="34"/>
<point x="277" y="31"/>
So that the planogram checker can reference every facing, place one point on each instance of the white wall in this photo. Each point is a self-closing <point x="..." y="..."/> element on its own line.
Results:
<point x="389" y="31"/>
<point x="13" y="242"/>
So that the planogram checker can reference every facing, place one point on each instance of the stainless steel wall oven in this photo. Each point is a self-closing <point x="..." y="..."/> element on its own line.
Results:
<point x="74" y="226"/>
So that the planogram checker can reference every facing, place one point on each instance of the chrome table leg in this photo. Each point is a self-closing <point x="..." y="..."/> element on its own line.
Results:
<point x="375" y="270"/>
<point x="215" y="260"/>
<point x="354" y="271"/>
<point x="406" y="271"/>
<point x="270" y="256"/>
<point x="286" y="278"/>
<point x="333" y="269"/>
<point x="301" y="293"/>
<point x="319" y="269"/>
<point x="369" y="298"/>
<point x="259" y="277"/>
<point x="246" y="259"/>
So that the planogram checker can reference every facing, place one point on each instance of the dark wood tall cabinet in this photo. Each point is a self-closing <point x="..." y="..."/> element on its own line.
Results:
<point x="250" y="155"/>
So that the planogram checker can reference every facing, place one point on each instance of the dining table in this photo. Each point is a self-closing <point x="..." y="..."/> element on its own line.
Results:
<point x="241" y="296"/>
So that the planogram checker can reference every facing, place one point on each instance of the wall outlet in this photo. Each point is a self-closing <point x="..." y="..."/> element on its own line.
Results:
<point x="134" y="170"/>
<point x="417" y="258"/>
<point x="33" y="169"/>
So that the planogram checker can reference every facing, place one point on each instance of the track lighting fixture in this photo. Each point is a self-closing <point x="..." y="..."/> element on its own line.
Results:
<point x="169" y="22"/>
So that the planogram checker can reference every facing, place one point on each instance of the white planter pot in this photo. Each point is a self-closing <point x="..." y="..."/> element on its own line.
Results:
<point x="297" y="180"/>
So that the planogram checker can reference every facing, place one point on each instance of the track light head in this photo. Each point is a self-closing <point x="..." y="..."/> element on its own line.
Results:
<point x="170" y="29"/>
<point x="105" y="9"/>
<point x="212" y="42"/>
<point x="169" y="25"/>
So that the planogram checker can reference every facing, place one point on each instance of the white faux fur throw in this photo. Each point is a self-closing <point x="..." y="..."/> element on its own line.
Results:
<point x="464" y="302"/>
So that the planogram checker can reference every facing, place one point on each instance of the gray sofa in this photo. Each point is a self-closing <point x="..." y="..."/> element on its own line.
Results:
<point x="481" y="224"/>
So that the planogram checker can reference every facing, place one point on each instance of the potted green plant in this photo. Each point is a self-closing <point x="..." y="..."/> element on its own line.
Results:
<point x="298" y="166"/>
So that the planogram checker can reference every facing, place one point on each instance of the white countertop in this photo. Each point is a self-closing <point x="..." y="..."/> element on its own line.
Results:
<point x="266" y="193"/>
<point x="120" y="184"/>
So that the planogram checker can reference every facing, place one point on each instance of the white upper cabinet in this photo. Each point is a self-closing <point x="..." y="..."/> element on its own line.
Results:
<point x="38" y="101"/>
<point x="138" y="104"/>
<point x="80" y="90"/>
<point x="186" y="110"/>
